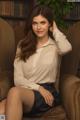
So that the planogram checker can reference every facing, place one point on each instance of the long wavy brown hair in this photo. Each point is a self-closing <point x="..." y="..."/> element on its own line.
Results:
<point x="29" y="43"/>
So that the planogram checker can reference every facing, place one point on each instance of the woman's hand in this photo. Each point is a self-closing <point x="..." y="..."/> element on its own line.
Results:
<point x="48" y="97"/>
<point x="53" y="27"/>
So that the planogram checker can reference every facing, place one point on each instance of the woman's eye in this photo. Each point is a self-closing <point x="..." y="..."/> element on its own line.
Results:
<point x="43" y="22"/>
<point x="34" y="23"/>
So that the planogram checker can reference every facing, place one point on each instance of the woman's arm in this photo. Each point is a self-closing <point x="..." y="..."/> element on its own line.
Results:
<point x="19" y="79"/>
<point x="62" y="42"/>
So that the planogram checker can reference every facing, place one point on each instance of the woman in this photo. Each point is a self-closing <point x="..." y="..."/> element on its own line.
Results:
<point x="35" y="66"/>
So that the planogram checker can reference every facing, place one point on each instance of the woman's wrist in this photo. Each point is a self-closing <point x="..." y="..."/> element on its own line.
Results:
<point x="40" y="89"/>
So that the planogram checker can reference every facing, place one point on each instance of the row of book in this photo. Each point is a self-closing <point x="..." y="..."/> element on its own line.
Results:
<point x="13" y="8"/>
<point x="74" y="14"/>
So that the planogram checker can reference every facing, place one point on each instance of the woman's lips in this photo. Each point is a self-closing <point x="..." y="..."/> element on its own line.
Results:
<point x="39" y="31"/>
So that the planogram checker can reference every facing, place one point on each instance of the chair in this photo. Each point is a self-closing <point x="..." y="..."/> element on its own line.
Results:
<point x="7" y="52"/>
<point x="69" y="83"/>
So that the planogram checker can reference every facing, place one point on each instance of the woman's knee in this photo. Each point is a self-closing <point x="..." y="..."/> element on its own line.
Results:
<point x="2" y="110"/>
<point x="13" y="93"/>
<point x="2" y="107"/>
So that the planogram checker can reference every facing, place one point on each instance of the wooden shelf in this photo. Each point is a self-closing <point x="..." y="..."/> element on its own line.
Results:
<point x="15" y="9"/>
<point x="12" y="17"/>
<point x="72" y="19"/>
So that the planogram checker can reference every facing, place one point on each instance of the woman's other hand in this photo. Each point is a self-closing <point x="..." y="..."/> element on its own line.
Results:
<point x="53" y="27"/>
<point x="48" y="97"/>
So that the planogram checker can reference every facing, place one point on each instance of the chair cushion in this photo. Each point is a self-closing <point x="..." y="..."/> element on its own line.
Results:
<point x="56" y="113"/>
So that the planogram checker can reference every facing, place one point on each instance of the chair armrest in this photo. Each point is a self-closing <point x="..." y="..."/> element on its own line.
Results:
<point x="6" y="82"/>
<point x="70" y="93"/>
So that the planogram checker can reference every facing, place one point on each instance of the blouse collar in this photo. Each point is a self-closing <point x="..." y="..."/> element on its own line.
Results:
<point x="49" y="42"/>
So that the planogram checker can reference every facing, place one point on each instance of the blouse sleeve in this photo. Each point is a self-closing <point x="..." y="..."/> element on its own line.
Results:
<point x="62" y="42"/>
<point x="19" y="79"/>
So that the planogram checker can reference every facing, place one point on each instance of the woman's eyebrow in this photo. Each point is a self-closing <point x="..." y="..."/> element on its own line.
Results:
<point x="34" y="21"/>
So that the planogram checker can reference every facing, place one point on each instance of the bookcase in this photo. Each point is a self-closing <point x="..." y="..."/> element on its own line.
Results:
<point x="74" y="14"/>
<point x="15" y="11"/>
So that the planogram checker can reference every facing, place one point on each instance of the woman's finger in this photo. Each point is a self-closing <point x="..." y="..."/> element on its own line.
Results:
<point x="49" y="99"/>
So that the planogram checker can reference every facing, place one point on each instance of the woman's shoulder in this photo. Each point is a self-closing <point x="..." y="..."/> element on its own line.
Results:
<point x="53" y="45"/>
<point x="52" y="42"/>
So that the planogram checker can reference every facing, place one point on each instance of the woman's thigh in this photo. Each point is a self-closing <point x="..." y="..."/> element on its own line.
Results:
<point x="26" y="96"/>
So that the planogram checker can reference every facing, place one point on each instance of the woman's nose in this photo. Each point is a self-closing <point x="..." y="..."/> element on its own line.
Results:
<point x="38" y="26"/>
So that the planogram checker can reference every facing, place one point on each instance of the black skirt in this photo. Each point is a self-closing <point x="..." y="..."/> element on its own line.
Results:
<point x="40" y="105"/>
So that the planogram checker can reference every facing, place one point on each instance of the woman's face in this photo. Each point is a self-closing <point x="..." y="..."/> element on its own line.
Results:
<point x="40" y="26"/>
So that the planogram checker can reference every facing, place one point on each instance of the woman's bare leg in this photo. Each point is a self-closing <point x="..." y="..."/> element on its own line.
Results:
<point x="18" y="96"/>
<point x="2" y="107"/>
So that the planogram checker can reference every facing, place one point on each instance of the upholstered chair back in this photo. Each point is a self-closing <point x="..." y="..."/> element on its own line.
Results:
<point x="7" y="53"/>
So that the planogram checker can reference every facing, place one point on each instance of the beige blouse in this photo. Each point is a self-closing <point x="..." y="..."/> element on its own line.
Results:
<point x="42" y="66"/>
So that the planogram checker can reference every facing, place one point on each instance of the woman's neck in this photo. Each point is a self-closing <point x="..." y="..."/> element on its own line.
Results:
<point x="42" y="41"/>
